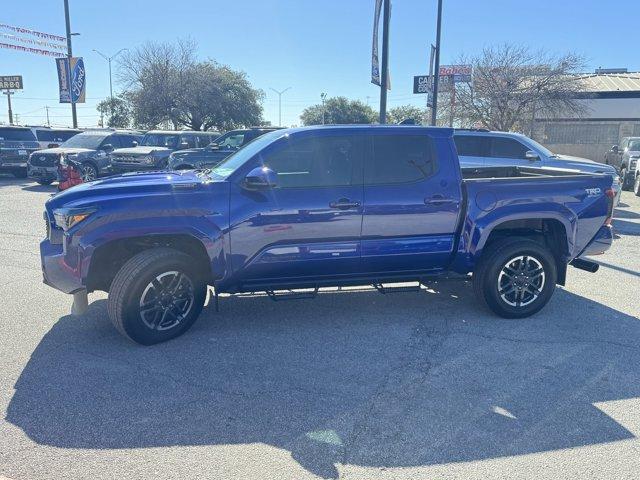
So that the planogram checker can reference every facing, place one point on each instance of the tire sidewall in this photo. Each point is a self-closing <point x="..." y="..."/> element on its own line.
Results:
<point x="490" y="280"/>
<point x="133" y="324"/>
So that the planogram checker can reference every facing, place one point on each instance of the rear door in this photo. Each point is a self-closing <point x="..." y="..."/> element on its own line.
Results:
<point x="308" y="226"/>
<point x="411" y="202"/>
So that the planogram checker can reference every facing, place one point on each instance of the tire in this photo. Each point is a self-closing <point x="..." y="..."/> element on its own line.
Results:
<point x="89" y="172"/>
<point x="20" y="173"/>
<point x="626" y="184"/>
<point x="494" y="272"/>
<point x="636" y="185"/>
<point x="44" y="182"/>
<point x="137" y="283"/>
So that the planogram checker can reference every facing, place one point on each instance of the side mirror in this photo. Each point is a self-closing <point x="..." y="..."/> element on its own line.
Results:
<point x="260" y="178"/>
<point x="213" y="146"/>
<point x="615" y="149"/>
<point x="107" y="148"/>
<point x="134" y="143"/>
<point x="53" y="145"/>
<point x="531" y="155"/>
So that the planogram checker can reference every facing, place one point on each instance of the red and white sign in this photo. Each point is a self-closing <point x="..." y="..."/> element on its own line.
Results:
<point x="455" y="70"/>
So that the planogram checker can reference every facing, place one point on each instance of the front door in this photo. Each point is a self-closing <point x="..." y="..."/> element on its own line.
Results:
<point x="309" y="225"/>
<point x="411" y="202"/>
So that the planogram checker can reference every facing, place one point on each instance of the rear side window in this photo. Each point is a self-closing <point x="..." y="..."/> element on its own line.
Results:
<point x="472" y="145"/>
<point x="507" y="148"/>
<point x="17" y="135"/>
<point x="57" y="136"/>
<point x="318" y="161"/>
<point x="400" y="159"/>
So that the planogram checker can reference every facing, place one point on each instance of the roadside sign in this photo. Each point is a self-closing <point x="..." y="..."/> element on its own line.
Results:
<point x="71" y="79"/>
<point x="422" y="84"/>
<point x="456" y="70"/>
<point x="11" y="82"/>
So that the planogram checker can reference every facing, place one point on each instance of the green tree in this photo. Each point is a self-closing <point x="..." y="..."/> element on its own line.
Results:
<point x="116" y="111"/>
<point x="165" y="82"/>
<point x="338" y="110"/>
<point x="406" y="112"/>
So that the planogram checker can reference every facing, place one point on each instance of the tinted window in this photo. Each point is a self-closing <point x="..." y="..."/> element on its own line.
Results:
<point x="317" y="161"/>
<point x="85" y="140"/>
<point x="231" y="140"/>
<point x="17" y="134"/>
<point x="471" y="145"/>
<point x="400" y="159"/>
<point x="190" y="140"/>
<point x="55" y="136"/>
<point x="113" y="140"/>
<point x="127" y="140"/>
<point x="507" y="148"/>
<point x="169" y="140"/>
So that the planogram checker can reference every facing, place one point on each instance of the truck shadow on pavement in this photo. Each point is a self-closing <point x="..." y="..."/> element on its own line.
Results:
<point x="353" y="377"/>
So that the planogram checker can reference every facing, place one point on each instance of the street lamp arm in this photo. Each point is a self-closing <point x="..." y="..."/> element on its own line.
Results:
<point x="101" y="54"/>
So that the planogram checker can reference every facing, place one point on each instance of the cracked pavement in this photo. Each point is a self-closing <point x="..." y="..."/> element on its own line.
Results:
<point x="353" y="384"/>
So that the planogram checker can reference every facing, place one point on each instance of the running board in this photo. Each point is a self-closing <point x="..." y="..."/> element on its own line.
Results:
<point x="386" y="289"/>
<point x="277" y="296"/>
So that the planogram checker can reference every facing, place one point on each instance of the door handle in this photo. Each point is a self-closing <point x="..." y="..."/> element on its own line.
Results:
<point x="439" y="200"/>
<point x="344" y="204"/>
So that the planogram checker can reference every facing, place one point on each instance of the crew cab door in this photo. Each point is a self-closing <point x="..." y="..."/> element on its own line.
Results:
<point x="411" y="202"/>
<point x="506" y="152"/>
<point x="308" y="225"/>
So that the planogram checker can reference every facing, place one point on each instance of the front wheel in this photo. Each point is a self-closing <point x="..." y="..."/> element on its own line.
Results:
<point x="626" y="180"/>
<point x="88" y="172"/>
<point x="156" y="296"/>
<point x="44" y="182"/>
<point x="515" y="277"/>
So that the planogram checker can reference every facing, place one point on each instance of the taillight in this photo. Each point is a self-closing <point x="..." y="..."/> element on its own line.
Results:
<point x="610" y="193"/>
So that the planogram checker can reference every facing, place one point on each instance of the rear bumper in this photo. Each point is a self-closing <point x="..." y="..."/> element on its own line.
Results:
<point x="56" y="272"/>
<point x="600" y="243"/>
<point x="11" y="167"/>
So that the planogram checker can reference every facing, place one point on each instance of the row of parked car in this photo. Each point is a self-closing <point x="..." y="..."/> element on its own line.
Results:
<point x="36" y="152"/>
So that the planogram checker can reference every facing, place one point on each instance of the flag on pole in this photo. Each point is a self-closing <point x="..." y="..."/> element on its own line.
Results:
<point x="375" y="62"/>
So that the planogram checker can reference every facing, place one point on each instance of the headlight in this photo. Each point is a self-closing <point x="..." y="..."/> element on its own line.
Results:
<point x="67" y="218"/>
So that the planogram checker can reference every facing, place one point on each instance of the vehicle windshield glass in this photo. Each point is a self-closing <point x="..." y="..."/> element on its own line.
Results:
<point x="230" y="140"/>
<point x="634" y="145"/>
<point x="85" y="140"/>
<point x="17" y="135"/>
<point x="233" y="162"/>
<point x="160" y="140"/>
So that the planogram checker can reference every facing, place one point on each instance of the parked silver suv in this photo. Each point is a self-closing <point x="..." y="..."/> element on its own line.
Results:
<point x="625" y="157"/>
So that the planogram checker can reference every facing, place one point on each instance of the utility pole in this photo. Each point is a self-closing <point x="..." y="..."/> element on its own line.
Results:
<point x="323" y="97"/>
<point x="280" y="103"/>
<point x="47" y="109"/>
<point x="108" y="59"/>
<point x="436" y="72"/>
<point x="8" y="93"/>
<point x="384" y="79"/>
<point x="74" y="115"/>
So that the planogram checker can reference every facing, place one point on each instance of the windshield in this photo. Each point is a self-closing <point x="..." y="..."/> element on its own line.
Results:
<point x="85" y="140"/>
<point x="230" y="140"/>
<point x="634" y="145"/>
<point x="160" y="140"/>
<point x="16" y="135"/>
<point x="233" y="162"/>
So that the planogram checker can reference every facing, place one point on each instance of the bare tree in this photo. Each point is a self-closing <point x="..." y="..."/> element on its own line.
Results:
<point x="511" y="84"/>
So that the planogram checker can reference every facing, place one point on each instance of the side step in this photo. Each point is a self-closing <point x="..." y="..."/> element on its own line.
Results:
<point x="386" y="289"/>
<point x="279" y="296"/>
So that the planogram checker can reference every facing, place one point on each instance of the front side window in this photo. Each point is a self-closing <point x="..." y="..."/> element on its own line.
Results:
<point x="507" y="148"/>
<point x="317" y="161"/>
<point x="400" y="159"/>
<point x="231" y="140"/>
<point x="160" y="140"/>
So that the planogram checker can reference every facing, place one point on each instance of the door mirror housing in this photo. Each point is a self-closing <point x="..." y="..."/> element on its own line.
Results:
<point x="260" y="178"/>
<point x="107" y="148"/>
<point x="531" y="155"/>
<point x="615" y="149"/>
<point x="134" y="143"/>
<point x="213" y="146"/>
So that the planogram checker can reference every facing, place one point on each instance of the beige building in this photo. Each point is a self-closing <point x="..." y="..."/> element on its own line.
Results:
<point x="612" y="111"/>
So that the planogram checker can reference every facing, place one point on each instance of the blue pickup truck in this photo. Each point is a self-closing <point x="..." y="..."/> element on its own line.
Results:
<point x="315" y="207"/>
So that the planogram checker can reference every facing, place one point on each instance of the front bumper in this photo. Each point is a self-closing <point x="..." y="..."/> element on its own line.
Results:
<point x="42" y="173"/>
<point x="11" y="167"/>
<point x="56" y="272"/>
<point x="600" y="243"/>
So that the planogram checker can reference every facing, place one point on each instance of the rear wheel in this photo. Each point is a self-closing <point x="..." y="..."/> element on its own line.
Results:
<point x="44" y="182"/>
<point x="636" y="185"/>
<point x="156" y="296"/>
<point x="626" y="180"/>
<point x="515" y="277"/>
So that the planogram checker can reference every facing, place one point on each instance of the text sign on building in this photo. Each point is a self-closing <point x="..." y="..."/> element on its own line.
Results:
<point x="11" y="82"/>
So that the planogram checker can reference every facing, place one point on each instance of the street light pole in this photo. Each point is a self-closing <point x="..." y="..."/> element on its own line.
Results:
<point x="384" y="80"/>
<point x="280" y="103"/>
<point x="74" y="114"/>
<point x="108" y="59"/>
<point x="436" y="70"/>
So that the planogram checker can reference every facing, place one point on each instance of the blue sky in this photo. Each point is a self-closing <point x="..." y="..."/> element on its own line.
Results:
<point x="312" y="46"/>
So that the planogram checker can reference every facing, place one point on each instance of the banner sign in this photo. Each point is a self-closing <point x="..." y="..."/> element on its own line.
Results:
<point x="46" y="36"/>
<point x="37" y="51"/>
<point x="43" y="43"/>
<point x="11" y="82"/>
<point x="375" y="63"/>
<point x="71" y="79"/>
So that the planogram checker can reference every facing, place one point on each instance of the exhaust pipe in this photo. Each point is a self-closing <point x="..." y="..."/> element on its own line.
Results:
<point x="586" y="265"/>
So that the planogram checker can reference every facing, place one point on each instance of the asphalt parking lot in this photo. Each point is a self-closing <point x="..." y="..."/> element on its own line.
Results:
<point x="352" y="385"/>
